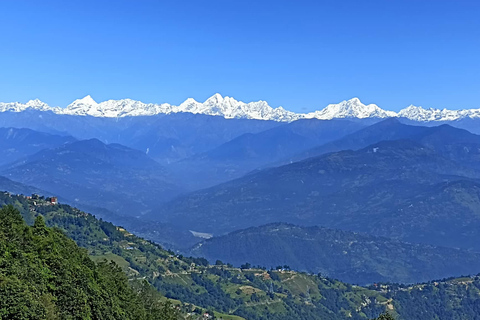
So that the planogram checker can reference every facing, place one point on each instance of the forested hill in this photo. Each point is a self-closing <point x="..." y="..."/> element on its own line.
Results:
<point x="348" y="256"/>
<point x="228" y="292"/>
<point x="45" y="275"/>
<point x="193" y="281"/>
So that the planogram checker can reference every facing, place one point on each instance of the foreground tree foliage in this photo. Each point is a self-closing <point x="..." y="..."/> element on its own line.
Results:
<point x="45" y="275"/>
<point x="385" y="316"/>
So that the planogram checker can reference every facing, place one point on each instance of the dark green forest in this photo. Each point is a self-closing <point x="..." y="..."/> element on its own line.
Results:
<point x="45" y="275"/>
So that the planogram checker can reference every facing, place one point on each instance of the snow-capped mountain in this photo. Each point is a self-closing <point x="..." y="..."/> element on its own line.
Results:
<point x="352" y="108"/>
<point x="229" y="108"/>
<point x="216" y="106"/>
<point x="114" y="108"/>
<point x="32" y="104"/>
<point x="431" y="114"/>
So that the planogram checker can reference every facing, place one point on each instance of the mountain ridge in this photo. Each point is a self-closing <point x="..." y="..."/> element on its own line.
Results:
<point x="348" y="256"/>
<point x="229" y="108"/>
<point x="91" y="172"/>
<point x="458" y="142"/>
<point x="386" y="184"/>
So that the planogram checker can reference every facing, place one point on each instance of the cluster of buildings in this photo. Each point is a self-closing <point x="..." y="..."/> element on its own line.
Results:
<point x="48" y="200"/>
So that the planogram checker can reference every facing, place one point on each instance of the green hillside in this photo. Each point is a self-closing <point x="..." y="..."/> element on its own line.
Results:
<point x="230" y="293"/>
<point x="45" y="275"/>
<point x="248" y="293"/>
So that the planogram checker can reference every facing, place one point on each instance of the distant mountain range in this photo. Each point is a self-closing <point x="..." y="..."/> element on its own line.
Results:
<point x="18" y="143"/>
<point x="425" y="189"/>
<point x="121" y="179"/>
<point x="251" y="151"/>
<point x="169" y="156"/>
<point x="166" y="138"/>
<point x="454" y="143"/>
<point x="230" y="108"/>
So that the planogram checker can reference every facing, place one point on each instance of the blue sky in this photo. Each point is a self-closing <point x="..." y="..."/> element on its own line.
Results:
<point x="298" y="54"/>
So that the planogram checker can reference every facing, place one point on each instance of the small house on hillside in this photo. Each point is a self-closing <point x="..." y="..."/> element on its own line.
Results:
<point x="52" y="200"/>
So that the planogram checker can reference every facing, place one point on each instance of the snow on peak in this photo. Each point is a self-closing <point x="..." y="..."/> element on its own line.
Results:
<point x="114" y="108"/>
<point x="229" y="108"/>
<point x="32" y="105"/>
<point x="352" y="108"/>
<point x="432" y="114"/>
<point x="215" y="99"/>
<point x="84" y="106"/>
<point x="37" y="104"/>
<point x="86" y="100"/>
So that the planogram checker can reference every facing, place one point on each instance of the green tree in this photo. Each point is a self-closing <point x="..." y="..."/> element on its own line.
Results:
<point x="384" y="316"/>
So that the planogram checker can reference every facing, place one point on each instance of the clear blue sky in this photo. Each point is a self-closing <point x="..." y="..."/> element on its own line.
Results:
<point x="298" y="54"/>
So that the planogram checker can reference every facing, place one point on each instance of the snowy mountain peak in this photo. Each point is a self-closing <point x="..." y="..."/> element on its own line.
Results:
<point x="352" y="108"/>
<point x="190" y="100"/>
<point x="37" y="104"/>
<point x="229" y="108"/>
<point x="432" y="114"/>
<point x="83" y="107"/>
<point x="355" y="101"/>
<point x="215" y="99"/>
<point x="87" y="100"/>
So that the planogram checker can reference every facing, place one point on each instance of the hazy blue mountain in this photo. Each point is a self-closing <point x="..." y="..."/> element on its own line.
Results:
<point x="399" y="189"/>
<point x="251" y="151"/>
<point x="454" y="143"/>
<point x="389" y="129"/>
<point x="18" y="143"/>
<point x="174" y="137"/>
<point x="19" y="188"/>
<point x="347" y="256"/>
<point x="469" y="124"/>
<point x="166" y="137"/>
<point x="121" y="179"/>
